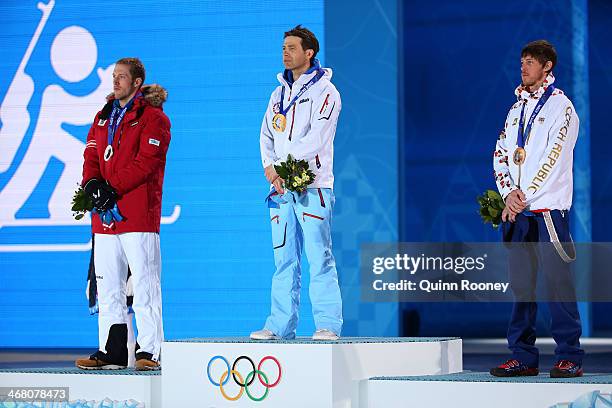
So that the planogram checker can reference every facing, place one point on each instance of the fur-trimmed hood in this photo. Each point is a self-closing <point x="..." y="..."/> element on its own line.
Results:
<point x="154" y="94"/>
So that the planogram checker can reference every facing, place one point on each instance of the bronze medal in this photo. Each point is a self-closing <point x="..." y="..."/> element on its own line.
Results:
<point x="519" y="156"/>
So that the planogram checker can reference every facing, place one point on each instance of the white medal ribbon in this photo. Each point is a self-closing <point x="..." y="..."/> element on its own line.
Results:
<point x="554" y="238"/>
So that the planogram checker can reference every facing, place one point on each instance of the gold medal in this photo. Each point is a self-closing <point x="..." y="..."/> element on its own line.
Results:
<point x="519" y="156"/>
<point x="279" y="122"/>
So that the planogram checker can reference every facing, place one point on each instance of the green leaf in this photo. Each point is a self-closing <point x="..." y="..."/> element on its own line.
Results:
<point x="493" y="195"/>
<point x="283" y="173"/>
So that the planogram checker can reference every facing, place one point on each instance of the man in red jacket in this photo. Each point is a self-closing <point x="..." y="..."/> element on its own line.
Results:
<point x="123" y="173"/>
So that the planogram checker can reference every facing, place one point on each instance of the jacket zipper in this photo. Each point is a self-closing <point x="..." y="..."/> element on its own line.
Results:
<point x="293" y="114"/>
<point x="292" y="122"/>
<point x="304" y="215"/>
<point x="321" y="198"/>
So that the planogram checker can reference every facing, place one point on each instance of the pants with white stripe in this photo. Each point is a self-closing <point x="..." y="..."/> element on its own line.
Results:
<point x="304" y="222"/>
<point x="112" y="255"/>
<point x="525" y="263"/>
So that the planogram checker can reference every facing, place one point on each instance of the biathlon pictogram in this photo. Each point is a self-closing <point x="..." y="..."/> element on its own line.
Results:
<point x="242" y="382"/>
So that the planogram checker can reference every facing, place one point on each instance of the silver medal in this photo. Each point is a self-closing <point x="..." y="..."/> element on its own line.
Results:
<point x="108" y="153"/>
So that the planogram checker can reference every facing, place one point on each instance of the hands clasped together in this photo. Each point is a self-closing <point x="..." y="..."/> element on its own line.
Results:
<point x="515" y="204"/>
<point x="103" y="196"/>
<point x="274" y="179"/>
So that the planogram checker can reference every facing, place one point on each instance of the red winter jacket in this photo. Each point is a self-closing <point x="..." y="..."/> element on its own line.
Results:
<point x="136" y="169"/>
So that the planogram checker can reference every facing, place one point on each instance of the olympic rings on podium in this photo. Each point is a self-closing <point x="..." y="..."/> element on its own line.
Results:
<point x="235" y="398"/>
<point x="243" y="383"/>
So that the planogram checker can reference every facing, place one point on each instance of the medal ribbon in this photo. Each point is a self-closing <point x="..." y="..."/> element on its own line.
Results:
<point x="112" y="126"/>
<point x="109" y="217"/>
<point x="313" y="80"/>
<point x="523" y="133"/>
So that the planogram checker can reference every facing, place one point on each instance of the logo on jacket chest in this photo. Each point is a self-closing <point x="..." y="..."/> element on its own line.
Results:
<point x="102" y="122"/>
<point x="303" y="100"/>
<point x="276" y="107"/>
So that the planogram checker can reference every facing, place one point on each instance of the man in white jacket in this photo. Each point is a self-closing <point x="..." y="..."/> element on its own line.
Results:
<point x="301" y="121"/>
<point x="533" y="169"/>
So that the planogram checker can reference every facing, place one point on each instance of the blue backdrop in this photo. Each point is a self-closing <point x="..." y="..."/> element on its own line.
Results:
<point x="461" y="64"/>
<point x="218" y="61"/>
<point x="439" y="76"/>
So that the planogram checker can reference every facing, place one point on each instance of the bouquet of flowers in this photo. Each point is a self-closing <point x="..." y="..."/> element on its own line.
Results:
<point x="81" y="203"/>
<point x="491" y="207"/>
<point x="296" y="174"/>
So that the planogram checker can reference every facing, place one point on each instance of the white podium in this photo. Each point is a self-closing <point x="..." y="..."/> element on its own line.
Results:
<point x="312" y="374"/>
<point x="481" y="390"/>
<point x="115" y="385"/>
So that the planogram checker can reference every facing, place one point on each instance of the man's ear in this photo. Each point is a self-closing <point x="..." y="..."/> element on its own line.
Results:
<point x="138" y="82"/>
<point x="309" y="53"/>
<point x="548" y="66"/>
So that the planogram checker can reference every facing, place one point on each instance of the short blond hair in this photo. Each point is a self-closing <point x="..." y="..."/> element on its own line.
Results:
<point x="137" y="69"/>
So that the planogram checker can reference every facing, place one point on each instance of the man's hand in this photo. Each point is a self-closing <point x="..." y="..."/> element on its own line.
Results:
<point x="103" y="196"/>
<point x="508" y="215"/>
<point x="270" y="173"/>
<point x="515" y="202"/>
<point x="278" y="185"/>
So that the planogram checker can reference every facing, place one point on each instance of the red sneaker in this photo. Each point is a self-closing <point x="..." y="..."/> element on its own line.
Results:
<point x="513" y="368"/>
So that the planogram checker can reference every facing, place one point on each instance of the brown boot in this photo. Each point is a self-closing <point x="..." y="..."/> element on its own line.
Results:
<point x="97" y="361"/>
<point x="145" y="362"/>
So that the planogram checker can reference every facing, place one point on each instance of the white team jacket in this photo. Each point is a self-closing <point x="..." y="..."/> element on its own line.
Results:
<point x="546" y="176"/>
<point x="311" y="127"/>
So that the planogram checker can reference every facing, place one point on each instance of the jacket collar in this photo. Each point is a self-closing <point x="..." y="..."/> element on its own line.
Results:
<point x="286" y="77"/>
<point x="522" y="94"/>
<point x="136" y="102"/>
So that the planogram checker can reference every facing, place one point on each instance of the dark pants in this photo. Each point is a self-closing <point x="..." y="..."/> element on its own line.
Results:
<point x="524" y="264"/>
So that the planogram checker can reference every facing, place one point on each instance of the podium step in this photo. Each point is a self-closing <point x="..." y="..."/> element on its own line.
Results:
<point x="138" y="387"/>
<point x="477" y="389"/>
<point x="295" y="373"/>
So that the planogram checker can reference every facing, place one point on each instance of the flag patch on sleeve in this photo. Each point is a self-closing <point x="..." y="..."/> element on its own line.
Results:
<point x="154" y="142"/>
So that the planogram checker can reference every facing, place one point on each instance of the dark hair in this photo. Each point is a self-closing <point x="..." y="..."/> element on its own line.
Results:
<point x="542" y="51"/>
<point x="137" y="69"/>
<point x="309" y="41"/>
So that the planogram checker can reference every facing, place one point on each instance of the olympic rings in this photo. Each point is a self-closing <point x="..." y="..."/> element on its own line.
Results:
<point x="280" y="372"/>
<point x="235" y="398"/>
<point x="208" y="369"/>
<point x="246" y="388"/>
<point x="243" y="383"/>
<point x="234" y="368"/>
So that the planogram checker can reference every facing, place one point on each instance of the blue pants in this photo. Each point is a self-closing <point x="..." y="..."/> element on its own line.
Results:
<point x="524" y="264"/>
<point x="303" y="222"/>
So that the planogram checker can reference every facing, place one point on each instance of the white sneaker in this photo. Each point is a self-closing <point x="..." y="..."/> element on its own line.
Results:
<point x="263" y="334"/>
<point x="324" y="334"/>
